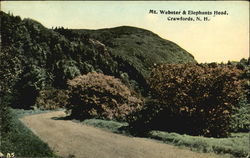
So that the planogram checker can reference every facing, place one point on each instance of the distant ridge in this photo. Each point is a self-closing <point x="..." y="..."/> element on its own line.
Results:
<point x="140" y="47"/>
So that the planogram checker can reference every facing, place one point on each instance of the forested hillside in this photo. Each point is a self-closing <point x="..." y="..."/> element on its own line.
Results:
<point x="34" y="57"/>
<point x="141" y="48"/>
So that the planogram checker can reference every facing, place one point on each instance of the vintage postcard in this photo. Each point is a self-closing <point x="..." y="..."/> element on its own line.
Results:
<point x="124" y="79"/>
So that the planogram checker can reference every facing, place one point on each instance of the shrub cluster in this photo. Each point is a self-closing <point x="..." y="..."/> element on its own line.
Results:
<point x="96" y="95"/>
<point x="192" y="98"/>
<point x="52" y="99"/>
<point x="241" y="118"/>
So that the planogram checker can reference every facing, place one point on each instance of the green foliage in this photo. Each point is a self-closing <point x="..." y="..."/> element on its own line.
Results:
<point x="109" y="125"/>
<point x="194" y="99"/>
<point x="51" y="99"/>
<point x="20" y="140"/>
<point x="139" y="47"/>
<point x="6" y="117"/>
<point x="32" y="80"/>
<point x="34" y="58"/>
<point x="10" y="69"/>
<point x="236" y="145"/>
<point x="99" y="96"/>
<point x="244" y="65"/>
<point x="65" y="70"/>
<point x="241" y="118"/>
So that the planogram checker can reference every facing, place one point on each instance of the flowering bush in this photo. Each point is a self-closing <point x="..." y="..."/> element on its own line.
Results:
<point x="192" y="98"/>
<point x="96" y="95"/>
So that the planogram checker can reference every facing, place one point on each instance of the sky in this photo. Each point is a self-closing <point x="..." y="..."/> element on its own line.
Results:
<point x="223" y="38"/>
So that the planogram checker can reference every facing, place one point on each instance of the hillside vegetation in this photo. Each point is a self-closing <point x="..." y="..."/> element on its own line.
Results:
<point x="141" y="48"/>
<point x="34" y="57"/>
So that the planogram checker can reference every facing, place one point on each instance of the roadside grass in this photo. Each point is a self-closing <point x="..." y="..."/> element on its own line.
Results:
<point x="237" y="145"/>
<point x="109" y="125"/>
<point x="22" y="141"/>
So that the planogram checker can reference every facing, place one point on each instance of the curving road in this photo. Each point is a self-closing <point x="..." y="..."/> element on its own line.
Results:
<point x="67" y="138"/>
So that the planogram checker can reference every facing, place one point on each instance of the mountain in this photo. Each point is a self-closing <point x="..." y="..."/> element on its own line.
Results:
<point x="34" y="57"/>
<point x="139" y="47"/>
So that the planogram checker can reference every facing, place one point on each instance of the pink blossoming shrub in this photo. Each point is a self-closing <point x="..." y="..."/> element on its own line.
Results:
<point x="96" y="95"/>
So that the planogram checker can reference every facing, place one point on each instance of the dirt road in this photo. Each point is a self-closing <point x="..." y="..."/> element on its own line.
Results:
<point x="68" y="138"/>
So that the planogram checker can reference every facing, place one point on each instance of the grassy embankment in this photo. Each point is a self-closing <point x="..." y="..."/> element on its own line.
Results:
<point x="237" y="145"/>
<point x="22" y="141"/>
